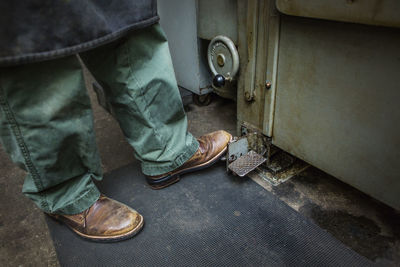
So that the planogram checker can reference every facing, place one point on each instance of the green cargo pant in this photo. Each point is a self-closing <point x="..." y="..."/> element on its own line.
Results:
<point x="46" y="122"/>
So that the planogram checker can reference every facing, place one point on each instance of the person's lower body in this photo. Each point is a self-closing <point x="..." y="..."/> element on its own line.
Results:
<point x="46" y="126"/>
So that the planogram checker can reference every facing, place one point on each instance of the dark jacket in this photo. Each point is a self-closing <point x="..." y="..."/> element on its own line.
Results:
<point x="36" y="30"/>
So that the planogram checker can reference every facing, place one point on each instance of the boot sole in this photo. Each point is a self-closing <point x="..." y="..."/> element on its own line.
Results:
<point x="175" y="177"/>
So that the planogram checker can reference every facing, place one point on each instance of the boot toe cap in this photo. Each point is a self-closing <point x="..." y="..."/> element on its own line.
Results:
<point x="221" y="139"/>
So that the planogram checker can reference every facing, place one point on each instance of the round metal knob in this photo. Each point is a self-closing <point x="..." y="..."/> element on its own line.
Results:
<point x="219" y="80"/>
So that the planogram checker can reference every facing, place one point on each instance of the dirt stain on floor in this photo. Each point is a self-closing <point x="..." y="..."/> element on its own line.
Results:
<point x="358" y="232"/>
<point x="364" y="224"/>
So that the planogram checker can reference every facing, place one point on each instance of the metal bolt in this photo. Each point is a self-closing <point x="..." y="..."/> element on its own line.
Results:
<point x="247" y="95"/>
<point x="268" y="85"/>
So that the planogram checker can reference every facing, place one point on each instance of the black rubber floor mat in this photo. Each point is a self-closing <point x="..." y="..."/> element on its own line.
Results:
<point x="209" y="218"/>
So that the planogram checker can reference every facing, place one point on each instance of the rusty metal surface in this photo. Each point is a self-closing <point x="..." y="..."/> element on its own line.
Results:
<point x="247" y="163"/>
<point x="276" y="178"/>
<point x="280" y="161"/>
<point x="252" y="39"/>
<point x="372" y="12"/>
<point x="258" y="21"/>
<point x="337" y="102"/>
<point x="336" y="92"/>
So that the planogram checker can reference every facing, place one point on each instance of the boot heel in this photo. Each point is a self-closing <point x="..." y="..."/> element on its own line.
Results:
<point x="165" y="183"/>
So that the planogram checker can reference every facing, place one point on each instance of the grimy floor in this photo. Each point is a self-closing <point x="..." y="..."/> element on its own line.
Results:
<point x="367" y="226"/>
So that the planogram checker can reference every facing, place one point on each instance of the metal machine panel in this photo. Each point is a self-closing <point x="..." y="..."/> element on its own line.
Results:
<point x="337" y="102"/>
<point x="178" y="18"/>
<point x="373" y="12"/>
<point x="217" y="17"/>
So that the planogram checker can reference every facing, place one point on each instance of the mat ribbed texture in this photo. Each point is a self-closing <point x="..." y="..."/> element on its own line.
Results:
<point x="209" y="218"/>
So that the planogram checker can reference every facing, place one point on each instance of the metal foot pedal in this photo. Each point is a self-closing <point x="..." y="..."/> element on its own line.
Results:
<point x="253" y="155"/>
<point x="247" y="163"/>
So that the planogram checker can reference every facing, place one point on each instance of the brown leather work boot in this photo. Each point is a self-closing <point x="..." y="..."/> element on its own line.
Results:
<point x="106" y="220"/>
<point x="212" y="147"/>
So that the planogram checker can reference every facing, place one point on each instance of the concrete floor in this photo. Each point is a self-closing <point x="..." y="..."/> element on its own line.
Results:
<point x="365" y="225"/>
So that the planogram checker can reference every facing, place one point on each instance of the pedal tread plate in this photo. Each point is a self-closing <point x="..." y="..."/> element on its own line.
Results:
<point x="246" y="163"/>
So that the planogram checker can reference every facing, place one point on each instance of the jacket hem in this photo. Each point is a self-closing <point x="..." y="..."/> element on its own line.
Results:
<point x="67" y="51"/>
